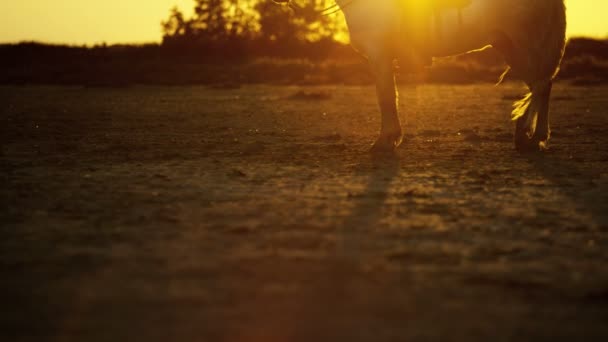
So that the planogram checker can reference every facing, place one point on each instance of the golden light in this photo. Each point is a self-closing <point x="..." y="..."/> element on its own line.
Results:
<point x="137" y="21"/>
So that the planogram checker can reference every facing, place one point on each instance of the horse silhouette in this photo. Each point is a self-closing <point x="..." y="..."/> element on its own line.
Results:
<point x="530" y="35"/>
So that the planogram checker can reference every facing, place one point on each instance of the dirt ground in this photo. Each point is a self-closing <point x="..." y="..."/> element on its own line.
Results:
<point x="256" y="214"/>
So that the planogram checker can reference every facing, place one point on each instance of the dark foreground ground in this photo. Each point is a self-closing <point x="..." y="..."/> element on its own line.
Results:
<point x="256" y="214"/>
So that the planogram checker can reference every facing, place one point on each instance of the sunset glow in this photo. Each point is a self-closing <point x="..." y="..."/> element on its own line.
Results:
<point x="136" y="21"/>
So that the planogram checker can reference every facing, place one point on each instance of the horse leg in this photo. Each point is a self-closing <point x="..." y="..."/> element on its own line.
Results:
<point x="543" y="132"/>
<point x="386" y="91"/>
<point x="532" y="126"/>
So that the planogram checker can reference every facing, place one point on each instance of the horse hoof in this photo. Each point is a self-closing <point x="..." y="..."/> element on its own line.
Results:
<point x="531" y="145"/>
<point x="387" y="143"/>
<point x="543" y="146"/>
<point x="380" y="149"/>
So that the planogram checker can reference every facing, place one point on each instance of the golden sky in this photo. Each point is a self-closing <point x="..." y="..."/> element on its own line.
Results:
<point x="126" y="21"/>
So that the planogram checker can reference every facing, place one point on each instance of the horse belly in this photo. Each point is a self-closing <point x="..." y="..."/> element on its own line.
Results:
<point x="459" y="31"/>
<point x="370" y="25"/>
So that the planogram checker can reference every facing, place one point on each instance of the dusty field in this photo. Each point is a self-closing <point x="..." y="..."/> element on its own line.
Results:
<point x="241" y="215"/>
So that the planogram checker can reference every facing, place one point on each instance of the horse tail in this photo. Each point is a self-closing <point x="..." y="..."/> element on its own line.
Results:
<point x="521" y="107"/>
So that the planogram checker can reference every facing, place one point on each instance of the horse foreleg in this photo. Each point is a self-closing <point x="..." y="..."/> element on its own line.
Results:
<point x="386" y="91"/>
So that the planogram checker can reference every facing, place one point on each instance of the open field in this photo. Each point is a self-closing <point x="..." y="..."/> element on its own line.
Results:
<point x="256" y="214"/>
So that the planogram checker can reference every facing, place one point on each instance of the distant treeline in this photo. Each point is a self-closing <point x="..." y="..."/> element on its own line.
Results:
<point x="252" y="25"/>
<point x="224" y="63"/>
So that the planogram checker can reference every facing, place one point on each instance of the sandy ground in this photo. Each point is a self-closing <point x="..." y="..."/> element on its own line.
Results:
<point x="256" y="214"/>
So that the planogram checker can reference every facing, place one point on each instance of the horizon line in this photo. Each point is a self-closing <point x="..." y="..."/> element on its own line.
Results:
<point x="159" y="42"/>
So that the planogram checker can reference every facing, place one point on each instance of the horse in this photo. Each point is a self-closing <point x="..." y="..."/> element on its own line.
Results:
<point x="529" y="34"/>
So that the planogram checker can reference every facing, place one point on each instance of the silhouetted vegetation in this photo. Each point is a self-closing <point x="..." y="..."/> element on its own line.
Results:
<point x="238" y="30"/>
<point x="254" y="42"/>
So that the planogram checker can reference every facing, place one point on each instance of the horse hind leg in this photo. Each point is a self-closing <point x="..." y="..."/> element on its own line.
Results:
<point x="536" y="64"/>
<point x="532" y="118"/>
<point x="543" y="131"/>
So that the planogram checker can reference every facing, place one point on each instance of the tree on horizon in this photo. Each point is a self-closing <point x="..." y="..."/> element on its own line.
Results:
<point x="221" y="20"/>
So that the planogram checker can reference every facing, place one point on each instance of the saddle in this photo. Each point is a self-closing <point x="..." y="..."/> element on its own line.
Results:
<point x="419" y="25"/>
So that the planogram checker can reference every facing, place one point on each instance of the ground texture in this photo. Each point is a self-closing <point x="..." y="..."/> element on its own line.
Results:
<point x="256" y="214"/>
